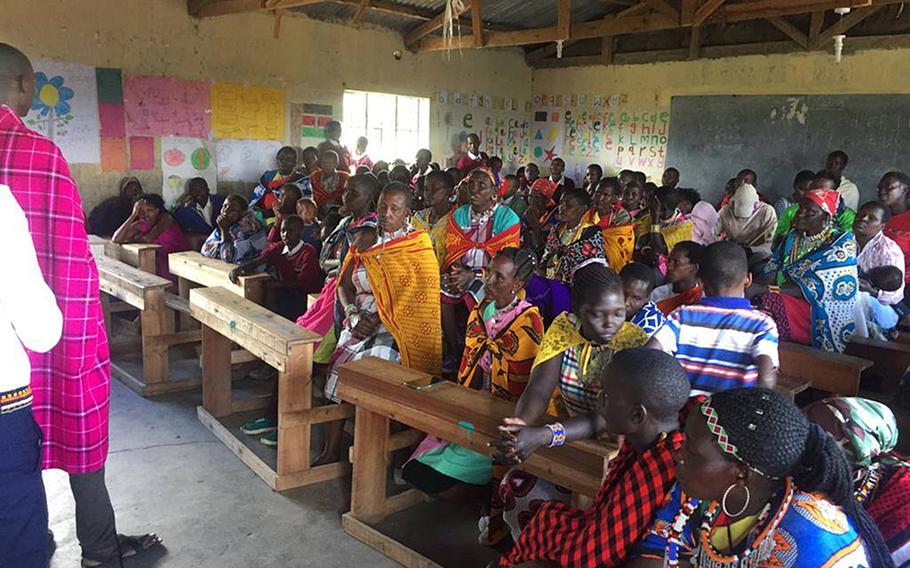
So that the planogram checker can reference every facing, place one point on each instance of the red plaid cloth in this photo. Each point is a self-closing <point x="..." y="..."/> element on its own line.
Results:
<point x="604" y="535"/>
<point x="72" y="382"/>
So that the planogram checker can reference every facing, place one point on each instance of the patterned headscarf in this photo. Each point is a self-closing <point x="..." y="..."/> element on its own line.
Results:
<point x="547" y="187"/>
<point x="825" y="198"/>
<point x="865" y="429"/>
<point x="487" y="172"/>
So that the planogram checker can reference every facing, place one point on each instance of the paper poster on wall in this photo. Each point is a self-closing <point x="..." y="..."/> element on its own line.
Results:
<point x="546" y="135"/>
<point x="165" y="106"/>
<point x="142" y="153"/>
<point x="65" y="109"/>
<point x="245" y="160"/>
<point x="185" y="158"/>
<point x="240" y="111"/>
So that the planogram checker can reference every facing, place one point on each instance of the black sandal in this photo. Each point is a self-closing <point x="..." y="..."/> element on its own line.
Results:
<point x="128" y="547"/>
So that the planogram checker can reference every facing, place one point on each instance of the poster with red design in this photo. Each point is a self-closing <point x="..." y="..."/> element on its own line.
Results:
<point x="183" y="159"/>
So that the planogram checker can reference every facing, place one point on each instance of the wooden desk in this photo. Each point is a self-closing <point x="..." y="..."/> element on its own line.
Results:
<point x="449" y="411"/>
<point x="833" y="373"/>
<point x="137" y="255"/>
<point x="226" y="317"/>
<point x="145" y="292"/>
<point x="195" y="270"/>
<point x="890" y="359"/>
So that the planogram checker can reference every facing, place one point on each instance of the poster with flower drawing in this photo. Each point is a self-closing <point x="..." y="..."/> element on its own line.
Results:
<point x="65" y="109"/>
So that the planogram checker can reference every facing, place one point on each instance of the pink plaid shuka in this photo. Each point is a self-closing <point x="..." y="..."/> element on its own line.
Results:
<point x="71" y="383"/>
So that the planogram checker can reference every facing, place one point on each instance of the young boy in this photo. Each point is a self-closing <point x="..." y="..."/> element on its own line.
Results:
<point x="722" y="341"/>
<point x="294" y="266"/>
<point x="510" y="197"/>
<point x="312" y="228"/>
<point x="682" y="286"/>
<point x="645" y="411"/>
<point x="285" y="205"/>
<point x="637" y="284"/>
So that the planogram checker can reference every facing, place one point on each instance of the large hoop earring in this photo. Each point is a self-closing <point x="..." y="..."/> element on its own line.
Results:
<point x="723" y="502"/>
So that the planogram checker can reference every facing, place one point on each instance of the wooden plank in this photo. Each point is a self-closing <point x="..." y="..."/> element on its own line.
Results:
<point x="361" y="10"/>
<point x="368" y="485"/>
<point x="844" y="25"/>
<point x="792" y="31"/>
<point x="891" y="359"/>
<point x="127" y="283"/>
<point x="431" y="26"/>
<point x="687" y="11"/>
<point x="384" y="544"/>
<point x="254" y="403"/>
<point x="254" y="462"/>
<point x="815" y="26"/>
<point x="154" y="323"/>
<point x="176" y="303"/>
<point x="664" y="8"/>
<point x="695" y="42"/>
<point x="705" y="11"/>
<point x="211" y="272"/>
<point x="312" y="475"/>
<point x="227" y="7"/>
<point x="761" y="9"/>
<point x="476" y="24"/>
<point x="606" y="50"/>
<point x="137" y="255"/>
<point x="831" y="372"/>
<point x="318" y="415"/>
<point x="216" y="373"/>
<point x="633" y="10"/>
<point x="295" y="395"/>
<point x="564" y="19"/>
<point x="276" y="30"/>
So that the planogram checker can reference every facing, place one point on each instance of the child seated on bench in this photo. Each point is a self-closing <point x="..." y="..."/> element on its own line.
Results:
<point x="238" y="235"/>
<point x="312" y="228"/>
<point x="286" y="204"/>
<point x="151" y="223"/>
<point x="637" y="285"/>
<point x="722" y="341"/>
<point x="643" y="393"/>
<point x="294" y="267"/>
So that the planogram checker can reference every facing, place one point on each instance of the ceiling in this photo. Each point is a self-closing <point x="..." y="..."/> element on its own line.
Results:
<point x="602" y="32"/>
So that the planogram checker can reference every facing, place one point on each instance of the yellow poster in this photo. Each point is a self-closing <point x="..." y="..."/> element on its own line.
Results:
<point x="254" y="113"/>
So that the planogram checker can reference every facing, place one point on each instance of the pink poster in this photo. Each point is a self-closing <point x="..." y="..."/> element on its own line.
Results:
<point x="142" y="153"/>
<point x="164" y="106"/>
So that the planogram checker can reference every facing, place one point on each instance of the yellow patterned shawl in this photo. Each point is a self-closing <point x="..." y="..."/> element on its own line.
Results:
<point x="619" y="244"/>
<point x="404" y="276"/>
<point x="436" y="231"/>
<point x="565" y="332"/>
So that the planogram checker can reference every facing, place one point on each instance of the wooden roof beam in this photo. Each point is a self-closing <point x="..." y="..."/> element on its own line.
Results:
<point x="564" y="19"/>
<point x="844" y="25"/>
<point x="695" y="42"/>
<point x="664" y="8"/>
<point x="476" y="24"/>
<point x="358" y="15"/>
<point x="815" y="26"/>
<point x="705" y="11"/>
<point x="792" y="31"/>
<point x="431" y="26"/>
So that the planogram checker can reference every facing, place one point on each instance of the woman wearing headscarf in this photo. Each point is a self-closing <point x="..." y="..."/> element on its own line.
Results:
<point x="867" y="432"/>
<point x="747" y="221"/>
<point x="761" y="486"/>
<point x="810" y="283"/>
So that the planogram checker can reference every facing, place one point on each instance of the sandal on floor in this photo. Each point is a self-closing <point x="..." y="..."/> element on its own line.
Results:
<point x="129" y="546"/>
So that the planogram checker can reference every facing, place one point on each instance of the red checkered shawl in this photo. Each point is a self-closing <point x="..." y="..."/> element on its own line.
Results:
<point x="72" y="382"/>
<point x="605" y="534"/>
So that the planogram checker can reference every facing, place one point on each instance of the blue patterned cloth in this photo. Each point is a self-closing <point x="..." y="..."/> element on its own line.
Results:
<point x="649" y="318"/>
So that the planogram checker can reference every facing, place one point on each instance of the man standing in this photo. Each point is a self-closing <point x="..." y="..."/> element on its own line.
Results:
<point x="835" y="166"/>
<point x="71" y="383"/>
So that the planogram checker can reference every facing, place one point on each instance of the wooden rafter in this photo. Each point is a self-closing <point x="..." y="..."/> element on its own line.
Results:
<point x="476" y="23"/>
<point x="634" y="10"/>
<point x="607" y="47"/>
<point x="664" y="8"/>
<point x="564" y="19"/>
<point x="815" y="26"/>
<point x="276" y="31"/>
<point x="431" y="26"/>
<point x="705" y="11"/>
<point x="792" y="31"/>
<point x="358" y="15"/>
<point x="844" y="25"/>
<point x="695" y="42"/>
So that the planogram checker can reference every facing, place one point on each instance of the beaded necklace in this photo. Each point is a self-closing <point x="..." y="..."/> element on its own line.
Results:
<point x="806" y="244"/>
<point x="706" y="556"/>
<point x="483" y="216"/>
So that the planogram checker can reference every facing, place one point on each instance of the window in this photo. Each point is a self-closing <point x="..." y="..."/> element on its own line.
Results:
<point x="396" y="126"/>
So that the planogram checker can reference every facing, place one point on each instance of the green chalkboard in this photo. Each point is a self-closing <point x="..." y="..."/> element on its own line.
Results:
<point x="713" y="137"/>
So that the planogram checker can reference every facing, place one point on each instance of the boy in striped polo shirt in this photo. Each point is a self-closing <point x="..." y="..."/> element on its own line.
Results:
<point x="722" y="341"/>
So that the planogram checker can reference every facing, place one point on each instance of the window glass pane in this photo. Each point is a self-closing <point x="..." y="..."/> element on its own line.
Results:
<point x="396" y="126"/>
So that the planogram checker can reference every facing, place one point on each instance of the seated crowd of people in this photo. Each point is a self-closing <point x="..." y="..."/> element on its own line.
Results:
<point x="614" y="308"/>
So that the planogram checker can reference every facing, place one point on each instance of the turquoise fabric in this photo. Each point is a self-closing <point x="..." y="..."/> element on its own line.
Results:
<point x="502" y="219"/>
<point x="459" y="463"/>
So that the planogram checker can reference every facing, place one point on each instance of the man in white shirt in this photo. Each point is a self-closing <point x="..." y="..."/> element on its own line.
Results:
<point x="835" y="166"/>
<point x="29" y="319"/>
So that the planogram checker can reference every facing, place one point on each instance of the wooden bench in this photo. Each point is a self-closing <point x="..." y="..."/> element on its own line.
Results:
<point x="449" y="411"/>
<point x="146" y="293"/>
<point x="802" y="367"/>
<point x="227" y="317"/>
<point x="138" y="255"/>
<point x="890" y="359"/>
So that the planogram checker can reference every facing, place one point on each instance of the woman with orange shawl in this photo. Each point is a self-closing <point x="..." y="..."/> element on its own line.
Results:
<point x="474" y="234"/>
<point x="387" y="288"/>
<point x="614" y="221"/>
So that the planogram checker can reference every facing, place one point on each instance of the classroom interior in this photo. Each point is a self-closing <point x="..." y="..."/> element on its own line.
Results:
<point x="591" y="81"/>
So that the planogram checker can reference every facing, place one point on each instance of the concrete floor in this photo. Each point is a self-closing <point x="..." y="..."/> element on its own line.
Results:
<point x="167" y="474"/>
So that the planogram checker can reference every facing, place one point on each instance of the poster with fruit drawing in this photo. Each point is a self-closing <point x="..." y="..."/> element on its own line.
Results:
<point x="183" y="159"/>
<point x="65" y="109"/>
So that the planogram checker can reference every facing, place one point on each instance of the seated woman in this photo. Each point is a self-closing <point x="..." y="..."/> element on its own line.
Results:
<point x="564" y="379"/>
<point x="809" y="285"/>
<point x="747" y="221"/>
<point x="867" y="432"/>
<point x="540" y="217"/>
<point x="702" y="214"/>
<point x="671" y="227"/>
<point x="474" y="234"/>
<point x="557" y="176"/>
<point x="197" y="210"/>
<point x="386" y="289"/>
<point x="804" y="181"/>
<point x="107" y="217"/>
<point x="763" y="487"/>
<point x="151" y="223"/>
<point x="892" y="192"/>
<point x="573" y="243"/>
<point x="328" y="182"/>
<point x="614" y="221"/>
<point x="682" y="287"/>
<point x="266" y="193"/>
<point x="238" y="235"/>
<point x="503" y="335"/>
<point x="437" y="191"/>
<point x="877" y="250"/>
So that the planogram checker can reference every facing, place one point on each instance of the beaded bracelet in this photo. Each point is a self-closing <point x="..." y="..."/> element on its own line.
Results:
<point x="559" y="434"/>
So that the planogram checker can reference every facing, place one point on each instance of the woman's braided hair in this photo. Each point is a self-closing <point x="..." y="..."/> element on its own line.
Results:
<point x="522" y="259"/>
<point x="773" y="437"/>
<point x="591" y="282"/>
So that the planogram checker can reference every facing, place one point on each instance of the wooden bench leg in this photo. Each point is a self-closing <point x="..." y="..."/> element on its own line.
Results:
<point x="183" y="290"/>
<point x="106" y="310"/>
<point x="216" y="373"/>
<point x="369" y="478"/>
<point x="154" y="323"/>
<point x="294" y="395"/>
